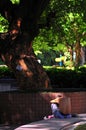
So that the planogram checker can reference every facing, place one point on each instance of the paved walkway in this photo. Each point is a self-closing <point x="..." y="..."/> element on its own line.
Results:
<point x="54" y="124"/>
<point x="51" y="124"/>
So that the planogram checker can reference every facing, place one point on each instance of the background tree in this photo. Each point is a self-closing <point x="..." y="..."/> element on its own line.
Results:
<point x="16" y="44"/>
<point x="65" y="24"/>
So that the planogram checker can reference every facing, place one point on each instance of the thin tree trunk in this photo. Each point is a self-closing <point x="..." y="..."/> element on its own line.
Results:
<point x="78" y="53"/>
<point x="71" y="54"/>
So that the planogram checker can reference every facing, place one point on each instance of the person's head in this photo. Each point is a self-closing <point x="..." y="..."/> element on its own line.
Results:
<point x="57" y="99"/>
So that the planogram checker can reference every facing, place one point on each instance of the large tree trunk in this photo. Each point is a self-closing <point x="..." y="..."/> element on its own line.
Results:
<point x="22" y="61"/>
<point x="16" y="45"/>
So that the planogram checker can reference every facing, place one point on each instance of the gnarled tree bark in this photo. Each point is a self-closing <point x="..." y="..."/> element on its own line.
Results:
<point x="16" y="44"/>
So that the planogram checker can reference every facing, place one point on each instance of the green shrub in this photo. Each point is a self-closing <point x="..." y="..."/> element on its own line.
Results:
<point x="59" y="77"/>
<point x="64" y="78"/>
<point x="5" y="72"/>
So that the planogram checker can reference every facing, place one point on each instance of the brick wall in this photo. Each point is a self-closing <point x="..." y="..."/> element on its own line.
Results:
<point x="20" y="108"/>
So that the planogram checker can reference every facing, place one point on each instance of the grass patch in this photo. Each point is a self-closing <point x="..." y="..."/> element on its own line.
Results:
<point x="81" y="127"/>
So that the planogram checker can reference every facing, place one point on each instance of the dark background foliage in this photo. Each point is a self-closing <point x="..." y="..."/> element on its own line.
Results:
<point x="60" y="78"/>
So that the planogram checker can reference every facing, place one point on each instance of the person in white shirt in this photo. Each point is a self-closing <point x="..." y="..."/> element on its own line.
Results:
<point x="55" y="109"/>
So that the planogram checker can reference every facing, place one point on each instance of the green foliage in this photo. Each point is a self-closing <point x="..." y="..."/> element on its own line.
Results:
<point x="47" y="44"/>
<point x="41" y="42"/>
<point x="81" y="127"/>
<point x="68" y="19"/>
<point x="1" y="62"/>
<point x="15" y="1"/>
<point x="59" y="76"/>
<point x="69" y="64"/>
<point x="5" y="72"/>
<point x="73" y="27"/>
<point x="3" y="24"/>
<point x="67" y="78"/>
<point x="65" y="22"/>
<point x="62" y="22"/>
<point x="47" y="57"/>
<point x="46" y="40"/>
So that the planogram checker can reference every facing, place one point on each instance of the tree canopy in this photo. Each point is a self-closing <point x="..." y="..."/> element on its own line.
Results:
<point x="65" y="24"/>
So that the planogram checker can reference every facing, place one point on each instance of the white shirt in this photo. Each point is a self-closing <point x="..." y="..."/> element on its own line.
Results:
<point x="54" y="107"/>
